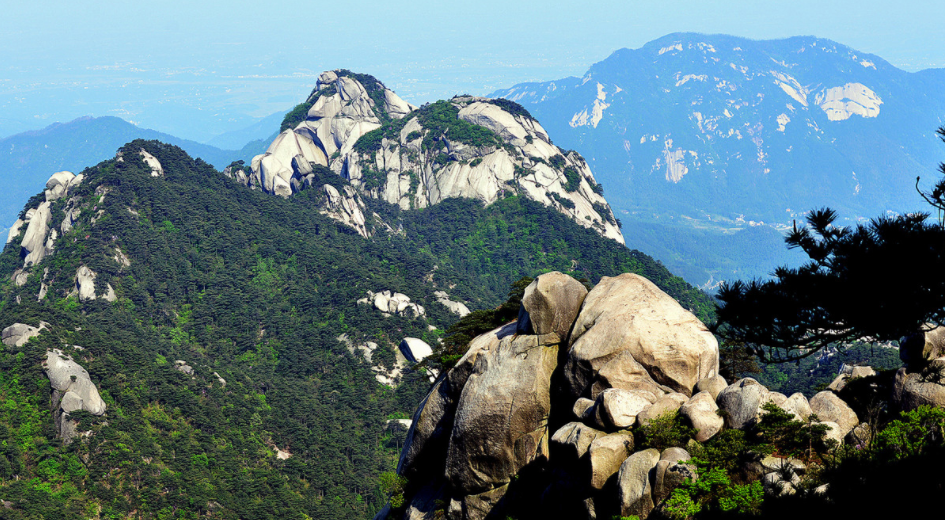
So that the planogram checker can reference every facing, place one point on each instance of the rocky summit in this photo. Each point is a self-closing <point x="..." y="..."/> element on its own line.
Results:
<point x="388" y="149"/>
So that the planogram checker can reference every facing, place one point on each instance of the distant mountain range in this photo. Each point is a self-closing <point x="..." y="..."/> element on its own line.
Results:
<point x="698" y="138"/>
<point x="29" y="158"/>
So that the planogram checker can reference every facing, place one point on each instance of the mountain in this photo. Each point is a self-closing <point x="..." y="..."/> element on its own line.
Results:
<point x="261" y="129"/>
<point x="179" y="344"/>
<point x="693" y="133"/>
<point x="28" y="159"/>
<point x="388" y="149"/>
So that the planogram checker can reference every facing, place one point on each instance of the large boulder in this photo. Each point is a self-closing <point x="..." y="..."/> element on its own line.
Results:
<point x="830" y="408"/>
<point x="571" y="442"/>
<point x="911" y="390"/>
<point x="633" y="483"/>
<point x="72" y="390"/>
<point x="501" y="420"/>
<point x="666" y="404"/>
<point x="918" y="349"/>
<point x="34" y="240"/>
<point x="797" y="405"/>
<point x="606" y="454"/>
<point x="18" y="334"/>
<point x="57" y="185"/>
<point x="617" y="409"/>
<point x="551" y="304"/>
<point x="415" y="350"/>
<point x="426" y="446"/>
<point x="670" y="472"/>
<point x="714" y="385"/>
<point x="741" y="402"/>
<point x="631" y="335"/>
<point x="702" y="413"/>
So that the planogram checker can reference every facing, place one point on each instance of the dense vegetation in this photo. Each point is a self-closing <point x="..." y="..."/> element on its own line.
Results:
<point x="257" y="289"/>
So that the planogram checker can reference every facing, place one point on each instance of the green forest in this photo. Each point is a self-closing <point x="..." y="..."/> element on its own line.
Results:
<point x="256" y="289"/>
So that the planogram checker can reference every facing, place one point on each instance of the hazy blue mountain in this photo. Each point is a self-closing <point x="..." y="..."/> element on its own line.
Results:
<point x="28" y="159"/>
<point x="707" y="135"/>
<point x="261" y="129"/>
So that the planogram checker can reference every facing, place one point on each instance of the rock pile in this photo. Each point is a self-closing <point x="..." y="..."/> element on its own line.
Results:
<point x="922" y="379"/>
<point x="539" y="410"/>
<point x="72" y="390"/>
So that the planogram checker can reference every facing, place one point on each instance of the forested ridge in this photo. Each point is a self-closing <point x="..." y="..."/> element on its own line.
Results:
<point x="257" y="290"/>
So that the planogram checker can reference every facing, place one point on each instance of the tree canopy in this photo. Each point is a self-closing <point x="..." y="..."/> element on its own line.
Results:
<point x="876" y="281"/>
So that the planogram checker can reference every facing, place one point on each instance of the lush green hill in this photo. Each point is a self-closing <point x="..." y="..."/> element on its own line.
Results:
<point x="31" y="157"/>
<point x="257" y="289"/>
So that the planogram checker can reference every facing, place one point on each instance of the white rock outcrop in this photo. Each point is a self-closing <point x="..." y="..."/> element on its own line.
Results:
<point x="72" y="390"/>
<point x="458" y="308"/>
<point x="34" y="244"/>
<point x="18" y="334"/>
<point x="156" y="169"/>
<point x="415" y="350"/>
<point x="85" y="286"/>
<point x="840" y="103"/>
<point x="346" y="207"/>
<point x="393" y="303"/>
<point x="406" y="170"/>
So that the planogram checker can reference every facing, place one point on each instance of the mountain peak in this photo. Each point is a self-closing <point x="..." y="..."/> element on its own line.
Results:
<point x="386" y="148"/>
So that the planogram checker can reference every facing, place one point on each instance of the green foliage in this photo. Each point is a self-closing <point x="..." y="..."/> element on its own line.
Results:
<point x="442" y="119"/>
<point x="300" y="112"/>
<point x="475" y="162"/>
<point x="566" y="203"/>
<point x="666" y="431"/>
<point x="713" y="490"/>
<point x="573" y="179"/>
<point x="511" y="107"/>
<point x="790" y="437"/>
<point x="834" y="298"/>
<point x="915" y="433"/>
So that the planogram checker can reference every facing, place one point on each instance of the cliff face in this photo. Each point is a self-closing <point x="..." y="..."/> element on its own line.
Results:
<point x="415" y="157"/>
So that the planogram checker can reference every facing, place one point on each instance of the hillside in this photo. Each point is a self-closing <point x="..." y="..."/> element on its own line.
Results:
<point x="232" y="351"/>
<point x="696" y="133"/>
<point x="30" y="157"/>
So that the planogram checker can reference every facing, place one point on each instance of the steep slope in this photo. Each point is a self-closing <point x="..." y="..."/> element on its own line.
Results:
<point x="390" y="150"/>
<point x="245" y="363"/>
<point x="30" y="157"/>
<point x="727" y="133"/>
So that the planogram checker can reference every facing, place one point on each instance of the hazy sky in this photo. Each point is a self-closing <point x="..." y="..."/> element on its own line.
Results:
<point x="154" y="62"/>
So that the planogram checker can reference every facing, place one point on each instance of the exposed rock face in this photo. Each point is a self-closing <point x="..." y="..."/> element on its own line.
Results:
<point x="849" y="373"/>
<point x="57" y="185"/>
<point x="345" y="206"/>
<point x="72" y="390"/>
<point x="85" y="286"/>
<point x="18" y="334"/>
<point x="413" y="167"/>
<point x="830" y="408"/>
<point x="507" y="418"/>
<point x="911" y="390"/>
<point x="458" y="308"/>
<point x="153" y="163"/>
<point x="415" y="350"/>
<point x="34" y="240"/>
<point x="393" y="303"/>
<point x="501" y="422"/>
<point x="551" y="304"/>
<point x="631" y="335"/>
<point x="636" y="492"/>
<point x="183" y="367"/>
<point x="919" y="349"/>
<point x="741" y="402"/>
<point x="702" y="413"/>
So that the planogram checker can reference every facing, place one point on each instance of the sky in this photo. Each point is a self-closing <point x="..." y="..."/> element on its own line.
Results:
<point x="196" y="69"/>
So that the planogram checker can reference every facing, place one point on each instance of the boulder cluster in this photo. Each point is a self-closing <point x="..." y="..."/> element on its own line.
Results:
<point x="922" y="380"/>
<point x="551" y="399"/>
